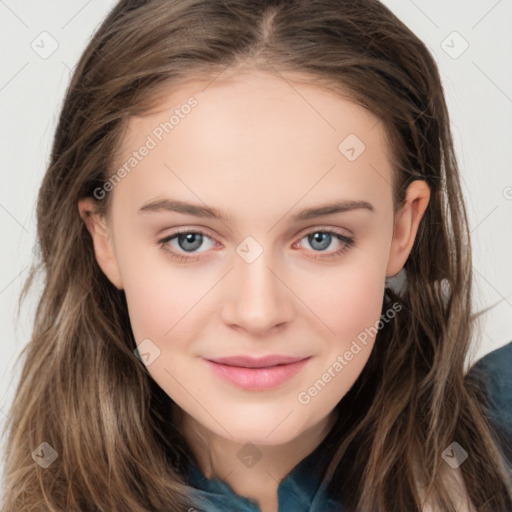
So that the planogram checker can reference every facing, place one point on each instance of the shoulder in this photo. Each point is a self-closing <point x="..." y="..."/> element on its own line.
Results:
<point x="494" y="370"/>
<point x="494" y="374"/>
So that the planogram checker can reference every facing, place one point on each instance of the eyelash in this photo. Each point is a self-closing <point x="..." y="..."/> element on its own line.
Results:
<point x="347" y="243"/>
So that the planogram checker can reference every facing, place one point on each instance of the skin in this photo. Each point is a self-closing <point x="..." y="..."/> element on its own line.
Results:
<point x="261" y="151"/>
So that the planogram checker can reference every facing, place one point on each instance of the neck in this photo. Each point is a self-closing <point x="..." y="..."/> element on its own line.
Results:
<point x="252" y="471"/>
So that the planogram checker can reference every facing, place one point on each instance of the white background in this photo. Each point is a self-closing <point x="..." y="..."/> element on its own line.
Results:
<point x="478" y="86"/>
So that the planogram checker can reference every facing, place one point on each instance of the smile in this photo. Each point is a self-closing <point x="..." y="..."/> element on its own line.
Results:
<point x="257" y="378"/>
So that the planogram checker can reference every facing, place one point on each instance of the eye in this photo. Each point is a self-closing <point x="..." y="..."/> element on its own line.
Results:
<point x="179" y="244"/>
<point x="186" y="241"/>
<point x="320" y="240"/>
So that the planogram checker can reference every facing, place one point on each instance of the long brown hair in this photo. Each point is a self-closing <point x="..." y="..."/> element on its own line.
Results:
<point x="83" y="391"/>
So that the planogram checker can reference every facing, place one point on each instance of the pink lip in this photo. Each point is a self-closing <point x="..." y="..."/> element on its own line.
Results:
<point x="257" y="374"/>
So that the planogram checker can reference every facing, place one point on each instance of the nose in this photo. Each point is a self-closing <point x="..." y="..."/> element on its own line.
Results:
<point x="257" y="297"/>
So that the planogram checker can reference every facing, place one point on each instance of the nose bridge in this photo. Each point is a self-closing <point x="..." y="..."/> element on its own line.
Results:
<point x="258" y="299"/>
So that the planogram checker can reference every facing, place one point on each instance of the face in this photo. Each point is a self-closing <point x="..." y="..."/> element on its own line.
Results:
<point x="264" y="264"/>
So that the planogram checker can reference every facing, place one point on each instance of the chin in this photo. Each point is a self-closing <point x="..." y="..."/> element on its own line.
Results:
<point x="272" y="432"/>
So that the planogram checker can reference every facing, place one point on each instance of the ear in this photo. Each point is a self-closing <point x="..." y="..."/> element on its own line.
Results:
<point x="102" y="240"/>
<point x="407" y="221"/>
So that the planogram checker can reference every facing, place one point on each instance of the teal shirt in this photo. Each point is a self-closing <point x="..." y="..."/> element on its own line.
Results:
<point x="302" y="489"/>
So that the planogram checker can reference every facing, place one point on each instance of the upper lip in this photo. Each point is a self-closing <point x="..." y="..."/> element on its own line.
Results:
<point x="257" y="362"/>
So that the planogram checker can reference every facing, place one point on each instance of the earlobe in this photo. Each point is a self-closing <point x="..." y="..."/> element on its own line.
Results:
<point x="407" y="222"/>
<point x="96" y="224"/>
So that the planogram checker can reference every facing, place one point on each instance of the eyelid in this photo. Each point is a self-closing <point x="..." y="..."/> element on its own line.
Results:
<point x="324" y="227"/>
<point x="305" y="231"/>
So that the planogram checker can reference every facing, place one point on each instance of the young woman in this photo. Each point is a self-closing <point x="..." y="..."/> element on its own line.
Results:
<point x="257" y="272"/>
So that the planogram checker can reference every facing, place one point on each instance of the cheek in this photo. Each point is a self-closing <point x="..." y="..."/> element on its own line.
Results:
<point x="158" y="294"/>
<point x="159" y="300"/>
<point x="359" y="303"/>
<point x="351" y="308"/>
<point x="346" y="300"/>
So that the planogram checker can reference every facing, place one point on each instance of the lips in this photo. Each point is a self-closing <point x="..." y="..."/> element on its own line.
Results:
<point x="257" y="374"/>
<point x="257" y="362"/>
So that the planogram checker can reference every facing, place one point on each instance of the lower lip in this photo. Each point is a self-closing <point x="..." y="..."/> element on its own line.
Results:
<point x="257" y="378"/>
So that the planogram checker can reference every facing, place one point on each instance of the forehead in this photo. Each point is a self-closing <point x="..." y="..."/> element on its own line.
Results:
<point x="256" y="134"/>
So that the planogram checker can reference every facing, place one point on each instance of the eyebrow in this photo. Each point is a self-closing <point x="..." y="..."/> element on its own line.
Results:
<point x="213" y="213"/>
